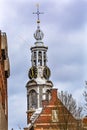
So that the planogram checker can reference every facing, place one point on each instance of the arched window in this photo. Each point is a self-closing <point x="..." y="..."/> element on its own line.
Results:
<point x="48" y="95"/>
<point x="32" y="99"/>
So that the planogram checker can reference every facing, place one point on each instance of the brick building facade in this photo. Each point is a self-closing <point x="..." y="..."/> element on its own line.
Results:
<point x="4" y="74"/>
<point x="84" y="123"/>
<point x="53" y="116"/>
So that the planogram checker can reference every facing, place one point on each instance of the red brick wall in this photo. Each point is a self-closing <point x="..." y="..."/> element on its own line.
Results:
<point x="63" y="120"/>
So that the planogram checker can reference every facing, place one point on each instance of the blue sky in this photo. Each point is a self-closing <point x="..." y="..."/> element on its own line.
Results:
<point x="64" y="24"/>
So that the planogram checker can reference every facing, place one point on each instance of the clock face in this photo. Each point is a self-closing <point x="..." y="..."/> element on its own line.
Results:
<point x="32" y="72"/>
<point x="46" y="72"/>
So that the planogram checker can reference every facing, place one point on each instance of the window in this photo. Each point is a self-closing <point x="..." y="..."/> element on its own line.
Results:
<point x="34" y="59"/>
<point x="40" y="58"/>
<point x="44" y="56"/>
<point x="33" y="99"/>
<point x="54" y="115"/>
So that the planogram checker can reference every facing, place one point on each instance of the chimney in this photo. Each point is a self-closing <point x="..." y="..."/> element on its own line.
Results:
<point x="53" y="98"/>
<point x="54" y="94"/>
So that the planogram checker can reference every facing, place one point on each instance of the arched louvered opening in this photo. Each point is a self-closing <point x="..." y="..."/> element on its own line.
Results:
<point x="40" y="58"/>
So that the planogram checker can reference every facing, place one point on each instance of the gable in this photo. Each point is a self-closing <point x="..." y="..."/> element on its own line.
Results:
<point x="55" y="114"/>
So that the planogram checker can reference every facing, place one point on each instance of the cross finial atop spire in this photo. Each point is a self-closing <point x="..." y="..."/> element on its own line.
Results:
<point x="38" y="13"/>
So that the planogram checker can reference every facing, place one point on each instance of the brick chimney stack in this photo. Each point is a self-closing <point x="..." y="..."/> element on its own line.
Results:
<point x="53" y="98"/>
<point x="54" y="94"/>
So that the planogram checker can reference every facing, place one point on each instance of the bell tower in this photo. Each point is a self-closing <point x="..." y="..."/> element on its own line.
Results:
<point x="39" y="85"/>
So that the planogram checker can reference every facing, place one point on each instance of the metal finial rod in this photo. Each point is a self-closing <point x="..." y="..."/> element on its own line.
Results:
<point x="38" y="13"/>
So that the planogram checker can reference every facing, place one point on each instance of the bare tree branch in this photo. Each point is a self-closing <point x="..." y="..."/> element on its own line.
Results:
<point x="70" y="103"/>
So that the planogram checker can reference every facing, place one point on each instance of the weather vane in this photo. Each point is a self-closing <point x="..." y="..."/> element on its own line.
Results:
<point x="38" y="14"/>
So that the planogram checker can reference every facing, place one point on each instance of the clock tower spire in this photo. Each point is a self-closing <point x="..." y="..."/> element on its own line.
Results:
<point x="39" y="86"/>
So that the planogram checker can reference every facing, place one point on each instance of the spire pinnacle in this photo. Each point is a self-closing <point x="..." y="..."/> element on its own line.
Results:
<point x="38" y="35"/>
<point x="38" y="14"/>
